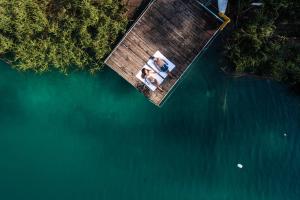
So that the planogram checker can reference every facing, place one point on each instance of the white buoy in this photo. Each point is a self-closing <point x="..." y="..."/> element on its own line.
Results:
<point x="285" y="134"/>
<point x="239" y="165"/>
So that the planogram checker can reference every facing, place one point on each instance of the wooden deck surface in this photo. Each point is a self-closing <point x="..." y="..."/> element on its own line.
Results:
<point x="179" y="29"/>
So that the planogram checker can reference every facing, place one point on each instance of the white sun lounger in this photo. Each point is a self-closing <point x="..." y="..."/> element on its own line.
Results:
<point x="147" y="83"/>
<point x="152" y="65"/>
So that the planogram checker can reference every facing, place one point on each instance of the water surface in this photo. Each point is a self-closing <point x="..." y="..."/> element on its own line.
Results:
<point x="94" y="137"/>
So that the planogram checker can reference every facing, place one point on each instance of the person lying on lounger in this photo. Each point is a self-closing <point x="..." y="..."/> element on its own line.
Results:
<point x="162" y="65"/>
<point x="148" y="76"/>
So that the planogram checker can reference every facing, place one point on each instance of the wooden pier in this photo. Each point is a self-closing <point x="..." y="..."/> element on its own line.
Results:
<point x="179" y="29"/>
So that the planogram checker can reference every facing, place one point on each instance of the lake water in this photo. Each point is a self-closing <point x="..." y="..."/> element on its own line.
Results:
<point x="95" y="137"/>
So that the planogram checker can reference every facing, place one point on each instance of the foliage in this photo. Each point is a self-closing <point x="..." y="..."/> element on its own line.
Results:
<point x="264" y="41"/>
<point x="41" y="35"/>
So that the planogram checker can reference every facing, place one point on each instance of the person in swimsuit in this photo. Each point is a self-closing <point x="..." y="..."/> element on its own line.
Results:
<point x="148" y="76"/>
<point x="162" y="65"/>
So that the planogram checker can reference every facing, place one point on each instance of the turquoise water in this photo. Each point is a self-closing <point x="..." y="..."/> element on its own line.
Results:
<point x="94" y="137"/>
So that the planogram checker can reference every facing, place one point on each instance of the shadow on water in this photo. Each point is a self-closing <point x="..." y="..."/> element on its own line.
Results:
<point x="115" y="81"/>
<point x="9" y="102"/>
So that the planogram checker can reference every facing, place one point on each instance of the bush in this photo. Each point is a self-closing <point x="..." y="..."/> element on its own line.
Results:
<point x="264" y="43"/>
<point x="41" y="35"/>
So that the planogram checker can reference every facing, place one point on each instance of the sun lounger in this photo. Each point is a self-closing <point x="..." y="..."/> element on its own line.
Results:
<point x="147" y="83"/>
<point x="152" y="65"/>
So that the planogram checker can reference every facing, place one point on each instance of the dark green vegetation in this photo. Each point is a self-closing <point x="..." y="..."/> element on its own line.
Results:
<point x="265" y="40"/>
<point x="41" y="35"/>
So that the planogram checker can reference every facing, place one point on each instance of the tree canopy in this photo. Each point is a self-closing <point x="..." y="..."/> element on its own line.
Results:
<point x="41" y="35"/>
<point x="265" y="40"/>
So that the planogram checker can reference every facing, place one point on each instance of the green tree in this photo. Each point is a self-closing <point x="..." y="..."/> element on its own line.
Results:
<point x="265" y="41"/>
<point x="41" y="35"/>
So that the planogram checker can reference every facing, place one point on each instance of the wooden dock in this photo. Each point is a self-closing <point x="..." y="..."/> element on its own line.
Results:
<point x="180" y="29"/>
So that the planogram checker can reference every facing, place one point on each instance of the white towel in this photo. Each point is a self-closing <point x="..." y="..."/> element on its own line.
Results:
<point x="161" y="56"/>
<point x="147" y="83"/>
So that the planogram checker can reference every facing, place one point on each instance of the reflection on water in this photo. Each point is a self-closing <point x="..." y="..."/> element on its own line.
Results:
<point x="95" y="137"/>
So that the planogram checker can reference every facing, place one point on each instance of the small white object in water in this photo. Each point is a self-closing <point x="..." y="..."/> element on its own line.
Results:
<point x="239" y="166"/>
<point x="285" y="134"/>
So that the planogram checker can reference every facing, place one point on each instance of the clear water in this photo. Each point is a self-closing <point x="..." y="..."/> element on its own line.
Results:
<point x="94" y="137"/>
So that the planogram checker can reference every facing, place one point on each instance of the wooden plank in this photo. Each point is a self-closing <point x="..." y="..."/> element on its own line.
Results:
<point x="184" y="16"/>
